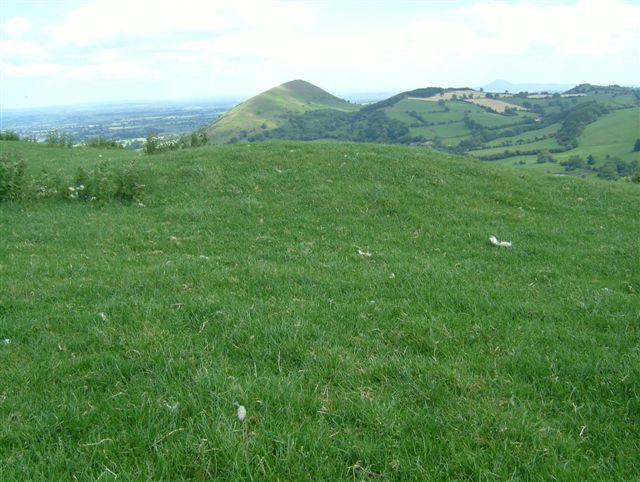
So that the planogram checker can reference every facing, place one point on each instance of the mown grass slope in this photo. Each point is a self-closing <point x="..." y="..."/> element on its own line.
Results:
<point x="347" y="295"/>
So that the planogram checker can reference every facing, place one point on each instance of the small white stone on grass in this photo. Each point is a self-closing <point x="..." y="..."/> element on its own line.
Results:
<point x="242" y="412"/>
<point x="495" y="242"/>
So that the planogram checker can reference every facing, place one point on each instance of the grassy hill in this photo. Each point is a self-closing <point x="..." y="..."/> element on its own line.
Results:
<point x="273" y="108"/>
<point x="611" y="135"/>
<point x="346" y="294"/>
<point x="510" y="128"/>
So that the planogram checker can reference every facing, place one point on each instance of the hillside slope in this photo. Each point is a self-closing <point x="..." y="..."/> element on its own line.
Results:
<point x="346" y="294"/>
<point x="273" y="108"/>
<point x="523" y="129"/>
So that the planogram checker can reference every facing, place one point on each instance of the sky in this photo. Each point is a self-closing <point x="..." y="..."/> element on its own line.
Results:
<point x="72" y="52"/>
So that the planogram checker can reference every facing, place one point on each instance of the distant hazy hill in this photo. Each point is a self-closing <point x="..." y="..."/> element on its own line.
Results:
<point x="501" y="85"/>
<point x="273" y="108"/>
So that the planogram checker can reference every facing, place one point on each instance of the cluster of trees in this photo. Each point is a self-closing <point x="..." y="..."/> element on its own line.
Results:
<point x="421" y="120"/>
<point x="391" y="101"/>
<point x="102" y="142"/>
<point x="155" y="144"/>
<point x="482" y="134"/>
<point x="360" y="126"/>
<point x="613" y="168"/>
<point x="543" y="155"/>
<point x="576" y="119"/>
<point x="59" y="139"/>
<point x="9" y="136"/>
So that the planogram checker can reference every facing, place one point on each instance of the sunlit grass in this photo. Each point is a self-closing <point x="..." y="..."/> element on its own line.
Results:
<point x="347" y="296"/>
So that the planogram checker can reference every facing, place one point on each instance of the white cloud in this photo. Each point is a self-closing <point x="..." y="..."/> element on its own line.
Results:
<point x="588" y="27"/>
<point x="16" y="26"/>
<point x="21" y="51"/>
<point x="107" y="20"/>
<point x="110" y="65"/>
<point x="31" y="70"/>
<point x="240" y="46"/>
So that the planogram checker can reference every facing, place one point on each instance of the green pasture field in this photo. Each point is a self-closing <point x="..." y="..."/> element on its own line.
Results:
<point x="527" y="137"/>
<point x="531" y="165"/>
<point x="423" y="107"/>
<point x="443" y="131"/>
<point x="549" y="143"/>
<point x="457" y="110"/>
<point x="490" y="119"/>
<point x="613" y="134"/>
<point x="346" y="294"/>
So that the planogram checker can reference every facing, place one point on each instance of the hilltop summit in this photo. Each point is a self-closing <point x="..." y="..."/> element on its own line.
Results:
<point x="273" y="108"/>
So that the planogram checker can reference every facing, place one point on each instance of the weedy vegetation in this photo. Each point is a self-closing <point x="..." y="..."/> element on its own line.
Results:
<point x="315" y="311"/>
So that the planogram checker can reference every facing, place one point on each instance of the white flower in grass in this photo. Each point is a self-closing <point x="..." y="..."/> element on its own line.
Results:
<point x="495" y="242"/>
<point x="6" y="341"/>
<point x="103" y="315"/>
<point x="363" y="253"/>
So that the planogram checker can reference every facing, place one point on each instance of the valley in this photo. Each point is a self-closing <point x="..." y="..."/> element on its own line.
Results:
<point x="130" y="122"/>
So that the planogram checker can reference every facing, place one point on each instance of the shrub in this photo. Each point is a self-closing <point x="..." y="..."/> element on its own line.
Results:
<point x="103" y="143"/>
<point x="128" y="186"/>
<point x="56" y="139"/>
<point x="46" y="186"/>
<point x="100" y="185"/>
<point x="9" y="136"/>
<point x="151" y="144"/>
<point x="12" y="177"/>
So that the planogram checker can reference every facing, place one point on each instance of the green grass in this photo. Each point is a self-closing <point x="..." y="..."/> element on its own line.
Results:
<point x="489" y="119"/>
<point x="439" y="357"/>
<point x="444" y="131"/>
<point x="531" y="165"/>
<point x="64" y="160"/>
<point x="525" y="137"/>
<point x="549" y="143"/>
<point x="425" y="108"/>
<point x="613" y="134"/>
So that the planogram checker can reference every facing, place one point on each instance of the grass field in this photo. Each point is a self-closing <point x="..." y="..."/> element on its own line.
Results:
<point x="346" y="294"/>
<point x="443" y="131"/>
<point x="549" y="143"/>
<point x="613" y="134"/>
<point x="526" y="137"/>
